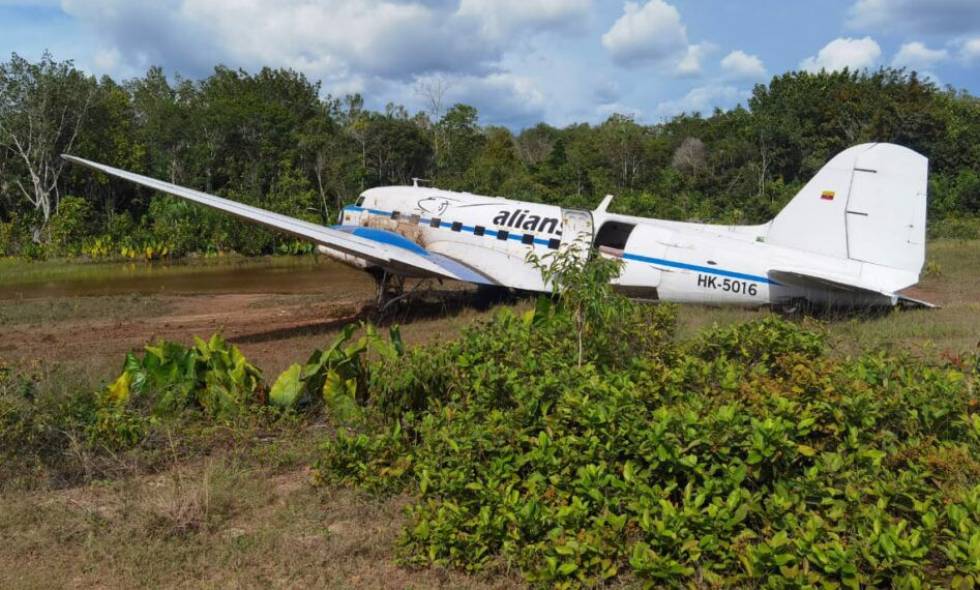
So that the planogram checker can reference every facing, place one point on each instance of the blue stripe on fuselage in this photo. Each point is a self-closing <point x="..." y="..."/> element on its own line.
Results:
<point x="627" y="256"/>
<point x="704" y="269"/>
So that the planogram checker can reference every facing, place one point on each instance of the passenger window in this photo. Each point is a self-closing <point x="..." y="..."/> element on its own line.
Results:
<point x="528" y="239"/>
<point x="613" y="235"/>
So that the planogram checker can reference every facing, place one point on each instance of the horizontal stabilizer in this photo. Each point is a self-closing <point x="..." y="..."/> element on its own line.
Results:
<point x="906" y="301"/>
<point x="805" y="279"/>
<point x="811" y="280"/>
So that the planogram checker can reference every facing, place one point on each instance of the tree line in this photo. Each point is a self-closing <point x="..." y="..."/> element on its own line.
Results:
<point x="273" y="139"/>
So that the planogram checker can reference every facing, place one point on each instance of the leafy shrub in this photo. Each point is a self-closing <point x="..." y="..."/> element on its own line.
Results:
<point x="337" y="375"/>
<point x="6" y="238"/>
<point x="747" y="457"/>
<point x="211" y="376"/>
<point x="72" y="221"/>
<point x="211" y="380"/>
<point x="98" y="247"/>
<point x="176" y="386"/>
<point x="38" y="430"/>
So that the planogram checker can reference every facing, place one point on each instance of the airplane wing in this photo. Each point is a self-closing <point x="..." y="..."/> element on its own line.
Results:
<point x="807" y="279"/>
<point x="388" y="250"/>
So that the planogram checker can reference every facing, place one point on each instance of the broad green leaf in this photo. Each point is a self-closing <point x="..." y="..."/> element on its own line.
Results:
<point x="288" y="388"/>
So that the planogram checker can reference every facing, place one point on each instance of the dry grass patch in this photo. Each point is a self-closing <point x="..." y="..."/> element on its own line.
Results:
<point x="213" y="523"/>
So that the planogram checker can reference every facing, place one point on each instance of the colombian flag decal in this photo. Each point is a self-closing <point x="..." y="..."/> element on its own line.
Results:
<point x="827" y="195"/>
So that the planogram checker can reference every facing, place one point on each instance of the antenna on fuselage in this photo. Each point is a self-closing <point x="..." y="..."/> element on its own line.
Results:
<point x="604" y="204"/>
<point x="416" y="181"/>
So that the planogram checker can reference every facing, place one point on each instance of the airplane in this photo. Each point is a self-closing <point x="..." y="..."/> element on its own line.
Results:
<point x="854" y="237"/>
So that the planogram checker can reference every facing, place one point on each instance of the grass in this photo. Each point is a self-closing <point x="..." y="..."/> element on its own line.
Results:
<point x="243" y="516"/>
<point x="14" y="270"/>
<point x="951" y="280"/>
<point x="113" y="307"/>
<point x="233" y="506"/>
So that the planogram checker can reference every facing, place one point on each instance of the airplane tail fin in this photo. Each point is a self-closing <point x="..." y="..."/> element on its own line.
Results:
<point x="867" y="204"/>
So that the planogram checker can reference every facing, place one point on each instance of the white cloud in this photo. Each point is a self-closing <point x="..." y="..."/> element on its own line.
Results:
<point x="970" y="50"/>
<point x="741" y="65"/>
<point x="844" y="52"/>
<point x="922" y="16"/>
<point x="502" y="18"/>
<point x="703" y="99"/>
<point x="604" y="111"/>
<point x="690" y="64"/>
<point x="387" y="39"/>
<point x="499" y="96"/>
<point x="394" y="39"/>
<point x="351" y="45"/>
<point x="651" y="32"/>
<point x="917" y="56"/>
<point x="107" y="60"/>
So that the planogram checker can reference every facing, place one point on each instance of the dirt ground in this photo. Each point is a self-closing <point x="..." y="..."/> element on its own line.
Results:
<point x="273" y="329"/>
<point x="268" y="327"/>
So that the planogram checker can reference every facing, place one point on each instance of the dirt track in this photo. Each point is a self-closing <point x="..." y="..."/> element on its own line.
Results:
<point x="259" y="323"/>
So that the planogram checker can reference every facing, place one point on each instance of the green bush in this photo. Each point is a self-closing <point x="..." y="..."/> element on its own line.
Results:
<point x="212" y="377"/>
<point x="211" y="380"/>
<point x="6" y="238"/>
<point x="748" y="457"/>
<point x="962" y="228"/>
<point x="71" y="223"/>
<point x="38" y="430"/>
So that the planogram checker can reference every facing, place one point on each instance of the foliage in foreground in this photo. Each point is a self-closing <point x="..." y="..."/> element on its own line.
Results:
<point x="748" y="457"/>
<point x="173" y="386"/>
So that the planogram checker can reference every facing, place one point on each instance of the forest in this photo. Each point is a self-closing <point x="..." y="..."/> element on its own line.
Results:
<point x="278" y="140"/>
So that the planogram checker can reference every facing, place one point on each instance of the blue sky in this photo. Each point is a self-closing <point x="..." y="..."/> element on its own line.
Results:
<point x="517" y="61"/>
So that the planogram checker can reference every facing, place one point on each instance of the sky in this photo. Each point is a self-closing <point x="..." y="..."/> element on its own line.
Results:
<point x="518" y="61"/>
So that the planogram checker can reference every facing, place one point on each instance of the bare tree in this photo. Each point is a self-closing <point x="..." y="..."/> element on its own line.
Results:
<point x="535" y="145"/>
<point x="434" y="90"/>
<point x="690" y="156"/>
<point x="42" y="108"/>
<point x="622" y="139"/>
<point x="764" y="167"/>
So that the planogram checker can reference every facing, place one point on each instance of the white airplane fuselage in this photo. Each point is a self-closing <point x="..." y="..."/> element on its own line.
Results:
<point x="662" y="260"/>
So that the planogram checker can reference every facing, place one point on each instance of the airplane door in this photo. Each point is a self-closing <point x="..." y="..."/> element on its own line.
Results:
<point x="576" y="230"/>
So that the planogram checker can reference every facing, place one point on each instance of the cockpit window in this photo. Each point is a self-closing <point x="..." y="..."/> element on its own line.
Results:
<point x="360" y="201"/>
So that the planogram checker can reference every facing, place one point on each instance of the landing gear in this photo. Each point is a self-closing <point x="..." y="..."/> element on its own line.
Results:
<point x="796" y="307"/>
<point x="390" y="288"/>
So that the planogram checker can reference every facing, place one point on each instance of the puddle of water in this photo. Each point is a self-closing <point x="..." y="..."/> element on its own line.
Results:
<point x="262" y="275"/>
